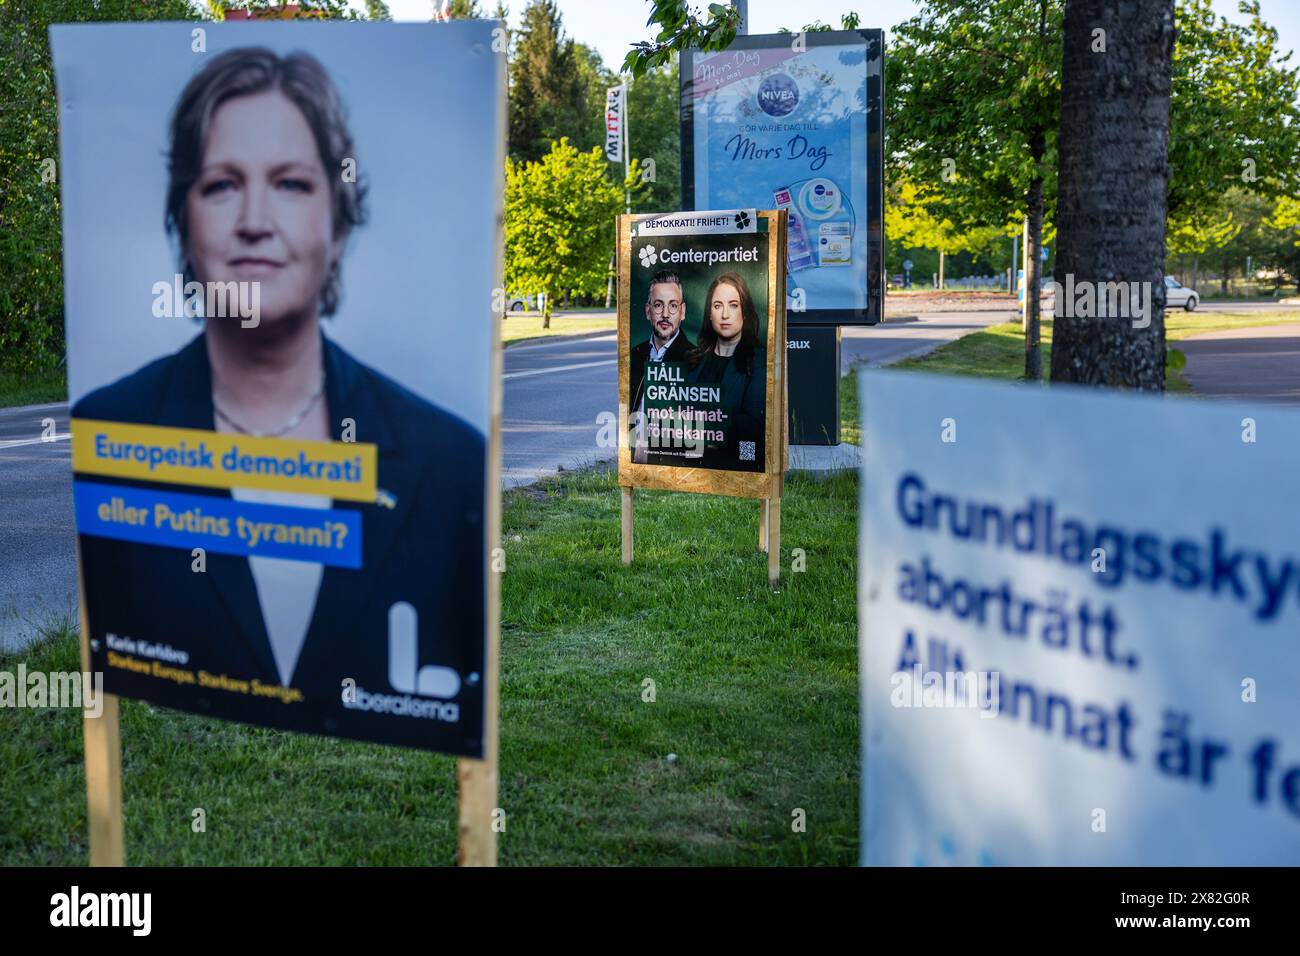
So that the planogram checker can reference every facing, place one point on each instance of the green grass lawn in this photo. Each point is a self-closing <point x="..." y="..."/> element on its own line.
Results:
<point x="33" y="388"/>
<point x="756" y="695"/>
<point x="522" y="326"/>
<point x="1181" y="325"/>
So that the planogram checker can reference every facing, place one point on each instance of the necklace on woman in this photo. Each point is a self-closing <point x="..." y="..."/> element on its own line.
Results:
<point x="291" y="424"/>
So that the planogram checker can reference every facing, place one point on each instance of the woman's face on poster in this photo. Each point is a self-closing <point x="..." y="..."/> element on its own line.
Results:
<point x="261" y="209"/>
<point x="725" y="312"/>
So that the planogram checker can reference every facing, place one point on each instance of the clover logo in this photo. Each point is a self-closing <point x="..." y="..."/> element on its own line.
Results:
<point x="648" y="256"/>
<point x="742" y="220"/>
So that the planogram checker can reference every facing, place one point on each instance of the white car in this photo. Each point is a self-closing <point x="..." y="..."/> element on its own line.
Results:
<point x="1176" y="295"/>
<point x="519" y="303"/>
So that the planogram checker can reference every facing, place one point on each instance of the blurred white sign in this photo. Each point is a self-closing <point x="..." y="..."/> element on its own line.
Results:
<point x="1079" y="627"/>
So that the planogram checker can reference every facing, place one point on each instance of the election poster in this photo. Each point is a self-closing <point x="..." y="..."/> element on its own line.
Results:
<point x="1078" y="636"/>
<point x="281" y="361"/>
<point x="796" y="122"/>
<point x="701" y="345"/>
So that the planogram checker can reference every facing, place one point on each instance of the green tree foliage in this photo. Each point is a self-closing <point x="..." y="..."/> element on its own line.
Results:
<point x="1198" y="233"/>
<point x="1287" y="215"/>
<point x="560" y="223"/>
<point x="910" y="231"/>
<point x="682" y="28"/>
<point x="1250" y="239"/>
<point x="31" y="266"/>
<point x="547" y="87"/>
<point x="973" y="101"/>
<point x="1282" y="238"/>
<point x="458" y="9"/>
<point x="850" y="21"/>
<point x="294" y="9"/>
<point x="654" y="125"/>
<point x="1234" y="116"/>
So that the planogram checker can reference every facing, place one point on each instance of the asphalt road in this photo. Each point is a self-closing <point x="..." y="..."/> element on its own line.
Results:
<point x="1215" y="361"/>
<point x="556" y="392"/>
<point x="38" y="578"/>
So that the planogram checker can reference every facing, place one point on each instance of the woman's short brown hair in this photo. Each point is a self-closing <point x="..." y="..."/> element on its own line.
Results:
<point x="244" y="72"/>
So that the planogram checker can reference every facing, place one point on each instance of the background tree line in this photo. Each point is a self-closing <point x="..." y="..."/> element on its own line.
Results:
<point x="974" y="103"/>
<point x="556" y="92"/>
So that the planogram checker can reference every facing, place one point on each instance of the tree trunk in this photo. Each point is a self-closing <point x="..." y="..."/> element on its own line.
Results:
<point x="940" y="268"/>
<point x="1223" y="278"/>
<point x="1033" y="271"/>
<point x="546" y="310"/>
<point x="1113" y="182"/>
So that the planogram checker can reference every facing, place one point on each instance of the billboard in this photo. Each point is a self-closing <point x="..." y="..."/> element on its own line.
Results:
<point x="1078" y="635"/>
<point x="279" y="330"/>
<point x="701" y="344"/>
<point x="796" y="122"/>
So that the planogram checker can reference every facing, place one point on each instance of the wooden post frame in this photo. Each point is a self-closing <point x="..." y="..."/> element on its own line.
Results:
<point x="103" y="754"/>
<point x="711" y="471"/>
<point x="399" y="447"/>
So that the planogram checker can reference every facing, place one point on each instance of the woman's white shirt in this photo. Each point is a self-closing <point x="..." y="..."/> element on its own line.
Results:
<point x="286" y="590"/>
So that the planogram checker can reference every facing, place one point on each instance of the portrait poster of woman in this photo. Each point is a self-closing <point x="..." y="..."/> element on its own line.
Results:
<point x="272" y="248"/>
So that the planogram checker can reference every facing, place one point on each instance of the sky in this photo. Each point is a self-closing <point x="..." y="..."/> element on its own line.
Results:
<point x="611" y="26"/>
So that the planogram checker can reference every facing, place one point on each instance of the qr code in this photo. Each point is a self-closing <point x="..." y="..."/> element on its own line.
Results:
<point x="746" y="451"/>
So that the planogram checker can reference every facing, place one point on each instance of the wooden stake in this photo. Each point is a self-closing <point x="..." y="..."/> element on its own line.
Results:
<point x="477" y="779"/>
<point x="104" y="785"/>
<point x="774" y="542"/>
<point x="763" y="517"/>
<point x="477" y="792"/>
<point x="477" y="800"/>
<point x="478" y="813"/>
<point x="627" y="524"/>
<point x="102" y="744"/>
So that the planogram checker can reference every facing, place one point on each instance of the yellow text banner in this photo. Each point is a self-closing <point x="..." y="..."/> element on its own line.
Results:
<point x="191" y="456"/>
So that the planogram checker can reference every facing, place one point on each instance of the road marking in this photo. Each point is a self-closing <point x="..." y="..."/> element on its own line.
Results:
<point x="19" y="442"/>
<point x="560" y="368"/>
<point x="562" y="340"/>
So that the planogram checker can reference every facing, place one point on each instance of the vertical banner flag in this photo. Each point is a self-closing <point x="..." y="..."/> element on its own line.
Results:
<point x="614" y="105"/>
<point x="1080" y="636"/>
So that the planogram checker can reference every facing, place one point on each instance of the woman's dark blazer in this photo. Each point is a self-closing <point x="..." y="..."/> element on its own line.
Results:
<point x="745" y="402"/>
<point x="423" y="542"/>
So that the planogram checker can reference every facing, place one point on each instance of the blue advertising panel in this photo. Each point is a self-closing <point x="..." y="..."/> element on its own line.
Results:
<point x="795" y="122"/>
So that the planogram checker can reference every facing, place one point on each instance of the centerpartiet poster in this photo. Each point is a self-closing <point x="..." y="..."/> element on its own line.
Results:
<point x="699" y="340"/>
<point x="795" y="122"/>
<point x="280" y="359"/>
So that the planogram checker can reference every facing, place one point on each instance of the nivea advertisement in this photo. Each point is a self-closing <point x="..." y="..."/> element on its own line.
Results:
<point x="787" y="122"/>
